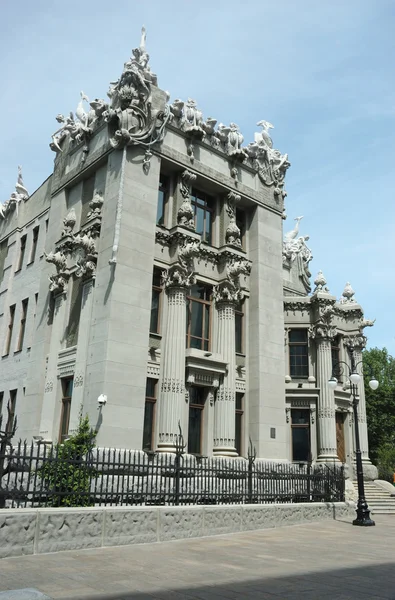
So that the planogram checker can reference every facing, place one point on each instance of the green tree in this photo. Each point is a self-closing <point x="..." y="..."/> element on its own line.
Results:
<point x="66" y="472"/>
<point x="380" y="404"/>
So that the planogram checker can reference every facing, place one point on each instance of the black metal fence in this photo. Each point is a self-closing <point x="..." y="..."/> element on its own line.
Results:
<point x="42" y="476"/>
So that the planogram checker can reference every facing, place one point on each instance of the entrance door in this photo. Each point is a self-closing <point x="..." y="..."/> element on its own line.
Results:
<point x="341" y="447"/>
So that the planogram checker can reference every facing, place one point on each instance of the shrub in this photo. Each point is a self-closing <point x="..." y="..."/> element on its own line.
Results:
<point x="66" y="472"/>
<point x="386" y="462"/>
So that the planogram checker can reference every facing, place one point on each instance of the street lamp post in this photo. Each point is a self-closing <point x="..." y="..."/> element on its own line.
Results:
<point x="363" y="513"/>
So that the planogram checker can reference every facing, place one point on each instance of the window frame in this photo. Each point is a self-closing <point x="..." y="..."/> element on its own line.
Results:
<point x="22" y="324"/>
<point x="150" y="400"/>
<point x="307" y="426"/>
<point x="291" y="345"/>
<point x="208" y="205"/>
<point x="239" y="413"/>
<point x="156" y="289"/>
<point x="197" y="406"/>
<point x="189" y="307"/>
<point x="12" y="405"/>
<point x="240" y="314"/>
<point x="10" y="329"/>
<point x="66" y="408"/>
<point x="33" y="250"/>
<point x="22" y="252"/>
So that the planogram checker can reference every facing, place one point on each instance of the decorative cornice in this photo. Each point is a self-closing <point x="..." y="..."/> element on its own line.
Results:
<point x="296" y="306"/>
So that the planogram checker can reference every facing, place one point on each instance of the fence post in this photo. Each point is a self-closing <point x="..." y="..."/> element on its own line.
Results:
<point x="251" y="461"/>
<point x="179" y="447"/>
<point x="6" y="436"/>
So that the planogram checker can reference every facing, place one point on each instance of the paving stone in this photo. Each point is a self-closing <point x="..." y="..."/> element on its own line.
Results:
<point x="25" y="594"/>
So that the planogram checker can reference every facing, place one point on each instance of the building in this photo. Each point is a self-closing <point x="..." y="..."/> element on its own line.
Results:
<point x="147" y="283"/>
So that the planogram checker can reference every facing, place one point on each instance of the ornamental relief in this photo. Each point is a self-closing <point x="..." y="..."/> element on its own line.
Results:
<point x="175" y="386"/>
<point x="76" y="253"/>
<point x="326" y="413"/>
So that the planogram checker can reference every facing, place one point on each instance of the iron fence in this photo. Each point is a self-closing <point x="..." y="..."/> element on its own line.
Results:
<point x="42" y="476"/>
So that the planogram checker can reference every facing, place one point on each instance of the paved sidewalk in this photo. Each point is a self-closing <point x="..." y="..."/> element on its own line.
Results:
<point x="320" y="561"/>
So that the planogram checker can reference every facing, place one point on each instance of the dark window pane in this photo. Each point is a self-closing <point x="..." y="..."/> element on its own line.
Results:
<point x="150" y="388"/>
<point x="298" y="336"/>
<point x="199" y="220"/>
<point x="300" y="417"/>
<point x="239" y="401"/>
<point x="148" y="425"/>
<point x="157" y="278"/>
<point x="206" y="321"/>
<point x="197" y="395"/>
<point x="195" y="430"/>
<point x="239" y="332"/>
<point x="196" y="343"/>
<point x="207" y="231"/>
<point x="300" y="443"/>
<point x="197" y="319"/>
<point x="162" y="197"/>
<point x="154" y="311"/>
<point x="239" y="418"/>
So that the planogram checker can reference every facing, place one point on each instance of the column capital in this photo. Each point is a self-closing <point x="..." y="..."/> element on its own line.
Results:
<point x="227" y="293"/>
<point x="324" y="328"/>
<point x="357" y="340"/>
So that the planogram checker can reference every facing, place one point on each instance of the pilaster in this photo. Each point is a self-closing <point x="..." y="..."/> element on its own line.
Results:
<point x="225" y="405"/>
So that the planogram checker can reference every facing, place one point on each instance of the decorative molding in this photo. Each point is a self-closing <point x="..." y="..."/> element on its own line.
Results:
<point x="20" y="194"/>
<point x="320" y="283"/>
<point x="186" y="214"/>
<point x="347" y="295"/>
<point x="232" y="233"/>
<point x="296" y="306"/>
<point x="153" y="371"/>
<point x="240" y="385"/>
<point x="358" y="341"/>
<point x="175" y="386"/>
<point x="48" y="386"/>
<point x="78" y="380"/>
<point x="296" y="250"/>
<point x="270" y="164"/>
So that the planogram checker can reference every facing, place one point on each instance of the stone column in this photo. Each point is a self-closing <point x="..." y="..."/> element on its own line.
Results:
<point x="225" y="405"/>
<point x="172" y="393"/>
<point x="326" y="417"/>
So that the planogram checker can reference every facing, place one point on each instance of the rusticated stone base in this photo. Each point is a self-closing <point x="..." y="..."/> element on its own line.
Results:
<point x="28" y="531"/>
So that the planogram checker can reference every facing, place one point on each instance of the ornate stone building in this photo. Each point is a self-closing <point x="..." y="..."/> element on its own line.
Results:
<point x="147" y="281"/>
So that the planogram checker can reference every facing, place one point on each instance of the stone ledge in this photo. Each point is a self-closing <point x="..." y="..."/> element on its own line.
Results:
<point x="43" y="530"/>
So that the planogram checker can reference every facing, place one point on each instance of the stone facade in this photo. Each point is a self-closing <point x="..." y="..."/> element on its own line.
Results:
<point x="150" y="270"/>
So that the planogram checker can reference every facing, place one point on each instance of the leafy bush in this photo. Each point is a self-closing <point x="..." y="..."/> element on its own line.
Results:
<point x="66" y="472"/>
<point x="386" y="462"/>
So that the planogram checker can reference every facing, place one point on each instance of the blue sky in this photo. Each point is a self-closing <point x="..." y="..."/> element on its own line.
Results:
<point x="320" y="71"/>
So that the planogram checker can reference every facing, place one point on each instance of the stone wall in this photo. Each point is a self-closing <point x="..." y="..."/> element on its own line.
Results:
<point x="28" y="531"/>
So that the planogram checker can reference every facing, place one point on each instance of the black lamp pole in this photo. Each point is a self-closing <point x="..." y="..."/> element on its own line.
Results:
<point x="363" y="513"/>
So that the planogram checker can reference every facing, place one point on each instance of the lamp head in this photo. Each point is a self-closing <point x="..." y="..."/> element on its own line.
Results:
<point x="373" y="384"/>
<point x="355" y="378"/>
<point x="332" y="383"/>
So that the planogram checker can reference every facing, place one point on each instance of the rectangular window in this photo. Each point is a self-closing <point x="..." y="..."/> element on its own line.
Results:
<point x="197" y="397"/>
<point x="149" y="413"/>
<point x="239" y="422"/>
<point x="163" y="194"/>
<point x="300" y="427"/>
<point x="46" y="225"/>
<point x="22" y="327"/>
<point x="239" y="328"/>
<point x="22" y="250"/>
<point x="335" y="352"/>
<point x="10" y="328"/>
<point x="298" y="354"/>
<point x="11" y="411"/>
<point x="34" y="245"/>
<point x="67" y="393"/>
<point x="198" y="317"/>
<point x="204" y="209"/>
<point x="156" y="301"/>
<point x="1" y="410"/>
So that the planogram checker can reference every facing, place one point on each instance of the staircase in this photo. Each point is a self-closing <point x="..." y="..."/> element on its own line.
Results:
<point x="379" y="500"/>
